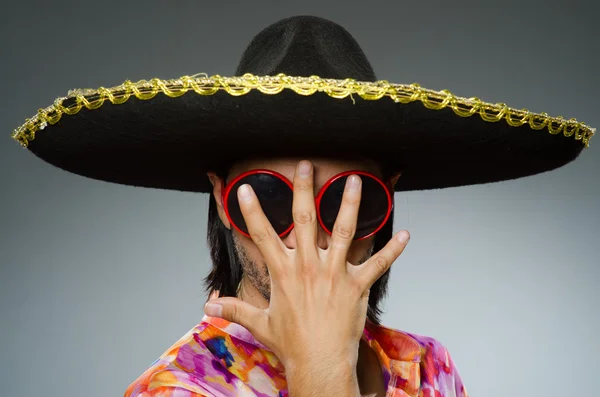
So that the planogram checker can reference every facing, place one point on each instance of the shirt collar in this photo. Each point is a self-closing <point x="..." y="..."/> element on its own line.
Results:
<point x="398" y="352"/>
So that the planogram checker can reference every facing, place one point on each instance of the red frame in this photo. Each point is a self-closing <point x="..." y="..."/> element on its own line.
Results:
<point x="227" y="191"/>
<point x="354" y="172"/>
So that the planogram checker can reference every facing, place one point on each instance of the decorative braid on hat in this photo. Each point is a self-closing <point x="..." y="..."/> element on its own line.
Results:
<point x="271" y="85"/>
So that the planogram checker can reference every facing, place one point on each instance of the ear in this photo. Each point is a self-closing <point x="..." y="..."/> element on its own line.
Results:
<point x="394" y="179"/>
<point x="218" y="186"/>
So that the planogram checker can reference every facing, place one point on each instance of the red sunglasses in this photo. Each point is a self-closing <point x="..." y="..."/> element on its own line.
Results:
<point x="275" y="194"/>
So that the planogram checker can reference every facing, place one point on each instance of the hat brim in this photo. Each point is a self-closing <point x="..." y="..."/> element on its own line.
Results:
<point x="167" y="133"/>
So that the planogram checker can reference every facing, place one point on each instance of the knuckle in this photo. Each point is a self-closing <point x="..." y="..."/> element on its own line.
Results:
<point x="358" y="289"/>
<point x="305" y="266"/>
<point x="381" y="263"/>
<point x="303" y="217"/>
<point x="250" y="210"/>
<point x="303" y="186"/>
<point x="351" y="199"/>
<point x="260" y="236"/>
<point x="343" y="231"/>
<point x="235" y="314"/>
<point x="308" y="271"/>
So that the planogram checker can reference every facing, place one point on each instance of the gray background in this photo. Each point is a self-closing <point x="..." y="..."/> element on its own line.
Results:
<point x="97" y="280"/>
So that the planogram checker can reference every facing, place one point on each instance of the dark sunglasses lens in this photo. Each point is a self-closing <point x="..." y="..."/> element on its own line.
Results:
<point x="373" y="208"/>
<point x="274" y="196"/>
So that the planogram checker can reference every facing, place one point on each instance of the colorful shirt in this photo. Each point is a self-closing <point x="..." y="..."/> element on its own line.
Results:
<point x="220" y="358"/>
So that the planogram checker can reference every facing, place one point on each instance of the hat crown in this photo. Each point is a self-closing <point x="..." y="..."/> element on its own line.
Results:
<point x="306" y="46"/>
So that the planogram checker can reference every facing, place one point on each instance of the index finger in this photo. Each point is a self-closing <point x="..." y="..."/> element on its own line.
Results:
<point x="259" y="228"/>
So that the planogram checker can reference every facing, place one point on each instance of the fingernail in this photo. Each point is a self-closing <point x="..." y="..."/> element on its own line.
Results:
<point x="353" y="183"/>
<point x="213" y="310"/>
<point x="304" y="168"/>
<point x="245" y="193"/>
<point x="403" y="236"/>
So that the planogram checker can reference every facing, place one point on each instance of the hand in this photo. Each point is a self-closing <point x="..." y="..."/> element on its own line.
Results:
<point x="319" y="300"/>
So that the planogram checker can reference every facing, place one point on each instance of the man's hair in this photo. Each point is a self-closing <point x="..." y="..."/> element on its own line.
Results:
<point x="226" y="272"/>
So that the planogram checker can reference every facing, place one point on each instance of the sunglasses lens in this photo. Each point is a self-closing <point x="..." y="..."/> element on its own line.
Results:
<point x="274" y="196"/>
<point x="374" y="205"/>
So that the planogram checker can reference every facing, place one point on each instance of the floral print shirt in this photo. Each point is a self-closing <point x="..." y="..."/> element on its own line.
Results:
<point x="218" y="358"/>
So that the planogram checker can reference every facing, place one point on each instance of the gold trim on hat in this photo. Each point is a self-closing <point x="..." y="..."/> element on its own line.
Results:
<point x="241" y="85"/>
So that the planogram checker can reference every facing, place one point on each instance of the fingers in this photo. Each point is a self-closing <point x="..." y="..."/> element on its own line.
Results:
<point x="344" y="228"/>
<point x="237" y="311"/>
<point x="262" y="233"/>
<point x="379" y="263"/>
<point x="303" y="208"/>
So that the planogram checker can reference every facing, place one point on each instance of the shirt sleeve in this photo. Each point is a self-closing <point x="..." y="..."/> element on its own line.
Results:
<point x="440" y="377"/>
<point x="169" y="391"/>
<point x="459" y="388"/>
<point x="147" y="385"/>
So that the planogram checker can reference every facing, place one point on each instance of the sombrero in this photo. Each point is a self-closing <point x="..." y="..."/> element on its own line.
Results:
<point x="303" y="87"/>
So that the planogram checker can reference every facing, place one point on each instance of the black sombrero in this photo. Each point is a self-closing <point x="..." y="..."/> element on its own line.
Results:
<point x="303" y="87"/>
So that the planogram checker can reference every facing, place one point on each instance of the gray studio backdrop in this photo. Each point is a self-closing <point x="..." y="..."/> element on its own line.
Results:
<point x="97" y="280"/>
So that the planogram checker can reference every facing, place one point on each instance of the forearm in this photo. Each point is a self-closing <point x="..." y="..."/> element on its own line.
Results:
<point x="322" y="380"/>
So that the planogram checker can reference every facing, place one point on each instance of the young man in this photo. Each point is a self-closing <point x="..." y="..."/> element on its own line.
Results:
<point x="301" y="153"/>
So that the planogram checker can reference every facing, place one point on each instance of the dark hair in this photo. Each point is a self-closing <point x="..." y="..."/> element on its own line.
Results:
<point x="226" y="271"/>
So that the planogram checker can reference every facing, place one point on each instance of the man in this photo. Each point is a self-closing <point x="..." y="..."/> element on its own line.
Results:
<point x="301" y="171"/>
<point x="306" y="306"/>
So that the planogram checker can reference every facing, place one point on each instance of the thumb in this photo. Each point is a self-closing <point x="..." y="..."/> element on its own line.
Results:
<point x="236" y="311"/>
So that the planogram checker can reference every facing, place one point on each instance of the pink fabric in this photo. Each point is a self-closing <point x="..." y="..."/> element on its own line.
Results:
<point x="218" y="358"/>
